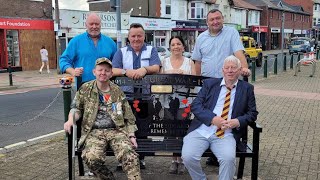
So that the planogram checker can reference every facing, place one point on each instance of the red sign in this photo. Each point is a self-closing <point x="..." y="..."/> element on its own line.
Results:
<point x="259" y="28"/>
<point x="6" y="23"/>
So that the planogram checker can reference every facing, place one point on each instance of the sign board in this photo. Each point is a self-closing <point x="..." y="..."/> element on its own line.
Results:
<point x="260" y="29"/>
<point x="8" y="23"/>
<point x="77" y="19"/>
<point x="297" y="31"/>
<point x="153" y="24"/>
<point x="275" y="30"/>
<point x="288" y="30"/>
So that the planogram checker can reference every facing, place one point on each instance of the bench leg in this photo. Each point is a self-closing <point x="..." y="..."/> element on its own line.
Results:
<point x="254" y="168"/>
<point x="81" y="167"/>
<point x="70" y="160"/>
<point x="241" y="167"/>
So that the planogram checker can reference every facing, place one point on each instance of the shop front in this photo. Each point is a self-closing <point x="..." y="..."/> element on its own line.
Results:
<point x="189" y="31"/>
<point x="260" y="35"/>
<point x="73" y="23"/>
<point x="21" y="41"/>
<point x="158" y="31"/>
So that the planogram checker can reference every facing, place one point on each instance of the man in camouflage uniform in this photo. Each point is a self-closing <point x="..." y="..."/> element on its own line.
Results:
<point x="107" y="120"/>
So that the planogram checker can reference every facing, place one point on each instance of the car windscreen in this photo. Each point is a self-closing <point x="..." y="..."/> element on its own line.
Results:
<point x="297" y="42"/>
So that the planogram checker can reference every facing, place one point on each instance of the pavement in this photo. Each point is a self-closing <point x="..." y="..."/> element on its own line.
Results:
<point x="289" y="144"/>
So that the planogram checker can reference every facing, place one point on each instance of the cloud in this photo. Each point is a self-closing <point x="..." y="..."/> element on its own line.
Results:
<point x="73" y="4"/>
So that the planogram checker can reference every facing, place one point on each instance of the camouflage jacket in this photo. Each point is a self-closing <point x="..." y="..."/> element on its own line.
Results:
<point x="86" y="103"/>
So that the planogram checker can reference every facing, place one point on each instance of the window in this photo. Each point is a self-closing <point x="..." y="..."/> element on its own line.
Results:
<point x="318" y="21"/>
<point x="295" y="17"/>
<point x="315" y="7"/>
<point x="256" y="19"/>
<point x="279" y="14"/>
<point x="271" y="13"/>
<point x="37" y="0"/>
<point x="197" y="11"/>
<point x="168" y="7"/>
<point x="314" y="21"/>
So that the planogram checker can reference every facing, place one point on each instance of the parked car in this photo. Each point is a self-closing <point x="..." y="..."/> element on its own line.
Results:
<point x="299" y="45"/>
<point x="164" y="52"/>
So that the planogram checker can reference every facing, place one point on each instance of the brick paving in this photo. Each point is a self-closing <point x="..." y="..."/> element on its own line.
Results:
<point x="289" y="147"/>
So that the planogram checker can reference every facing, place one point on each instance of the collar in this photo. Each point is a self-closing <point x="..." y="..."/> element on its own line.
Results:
<point x="88" y="35"/>
<point x="217" y="33"/>
<point x="223" y="83"/>
<point x="144" y="47"/>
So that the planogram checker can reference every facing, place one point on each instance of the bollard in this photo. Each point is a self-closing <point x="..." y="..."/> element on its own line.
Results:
<point x="265" y="72"/>
<point x="317" y="56"/>
<point x="284" y="61"/>
<point x="10" y="74"/>
<point x="298" y="61"/>
<point x="291" y="62"/>
<point x="65" y="83"/>
<point x="253" y="70"/>
<point x="275" y="64"/>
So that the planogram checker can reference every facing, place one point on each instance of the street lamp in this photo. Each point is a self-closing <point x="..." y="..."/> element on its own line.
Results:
<point x="282" y="31"/>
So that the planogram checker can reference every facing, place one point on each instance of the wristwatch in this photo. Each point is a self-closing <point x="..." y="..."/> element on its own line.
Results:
<point x="123" y="72"/>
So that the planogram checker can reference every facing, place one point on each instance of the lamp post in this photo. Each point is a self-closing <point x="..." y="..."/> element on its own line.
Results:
<point x="282" y="31"/>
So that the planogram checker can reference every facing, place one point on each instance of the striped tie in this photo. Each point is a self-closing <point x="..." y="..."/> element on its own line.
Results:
<point x="225" y="112"/>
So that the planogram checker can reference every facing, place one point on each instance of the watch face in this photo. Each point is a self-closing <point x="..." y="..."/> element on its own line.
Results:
<point x="123" y="71"/>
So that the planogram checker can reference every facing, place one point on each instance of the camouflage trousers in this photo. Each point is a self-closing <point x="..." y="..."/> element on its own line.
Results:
<point x="95" y="157"/>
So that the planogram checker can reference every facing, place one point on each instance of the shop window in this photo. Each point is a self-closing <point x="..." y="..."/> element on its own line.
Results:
<point x="13" y="47"/>
<point x="197" y="10"/>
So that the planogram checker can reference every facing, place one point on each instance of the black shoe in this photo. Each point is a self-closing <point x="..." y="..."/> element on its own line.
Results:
<point x="142" y="164"/>
<point x="119" y="167"/>
<point x="212" y="162"/>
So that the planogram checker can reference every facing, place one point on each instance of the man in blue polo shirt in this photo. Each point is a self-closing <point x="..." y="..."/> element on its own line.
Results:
<point x="82" y="51"/>
<point x="135" y="61"/>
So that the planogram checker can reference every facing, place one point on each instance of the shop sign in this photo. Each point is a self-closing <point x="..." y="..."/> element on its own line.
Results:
<point x="7" y="23"/>
<point x="77" y="19"/>
<point x="260" y="29"/>
<point x="275" y="30"/>
<point x="297" y="31"/>
<point x="153" y="24"/>
<point x="203" y="26"/>
<point x="186" y="25"/>
<point x="305" y="32"/>
<point x="288" y="30"/>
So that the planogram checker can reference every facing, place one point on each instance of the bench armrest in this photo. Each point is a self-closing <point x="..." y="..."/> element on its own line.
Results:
<point x="255" y="126"/>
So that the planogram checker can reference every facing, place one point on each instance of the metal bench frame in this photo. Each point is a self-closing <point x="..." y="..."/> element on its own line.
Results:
<point x="170" y="143"/>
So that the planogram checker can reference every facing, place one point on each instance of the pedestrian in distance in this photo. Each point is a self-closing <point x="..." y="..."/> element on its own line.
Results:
<point x="213" y="46"/>
<point x="136" y="60"/>
<point x="176" y="64"/>
<point x="222" y="110"/>
<point x="82" y="51"/>
<point x="107" y="121"/>
<point x="44" y="59"/>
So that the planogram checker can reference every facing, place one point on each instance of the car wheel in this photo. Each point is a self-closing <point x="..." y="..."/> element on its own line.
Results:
<point x="259" y="60"/>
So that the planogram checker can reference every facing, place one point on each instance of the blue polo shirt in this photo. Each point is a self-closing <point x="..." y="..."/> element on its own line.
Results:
<point x="81" y="52"/>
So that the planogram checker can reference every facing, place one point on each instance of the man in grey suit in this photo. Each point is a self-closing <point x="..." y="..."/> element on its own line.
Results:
<point x="222" y="109"/>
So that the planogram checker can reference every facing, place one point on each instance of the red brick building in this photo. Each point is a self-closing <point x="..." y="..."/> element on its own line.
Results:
<point x="297" y="22"/>
<point x="26" y="25"/>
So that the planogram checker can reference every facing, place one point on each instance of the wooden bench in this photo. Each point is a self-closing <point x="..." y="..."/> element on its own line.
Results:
<point x="161" y="137"/>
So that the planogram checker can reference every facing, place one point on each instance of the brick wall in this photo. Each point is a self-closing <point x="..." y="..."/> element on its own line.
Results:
<point x="26" y="9"/>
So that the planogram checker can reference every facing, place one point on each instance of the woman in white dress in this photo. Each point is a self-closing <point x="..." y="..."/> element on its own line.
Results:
<point x="174" y="104"/>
